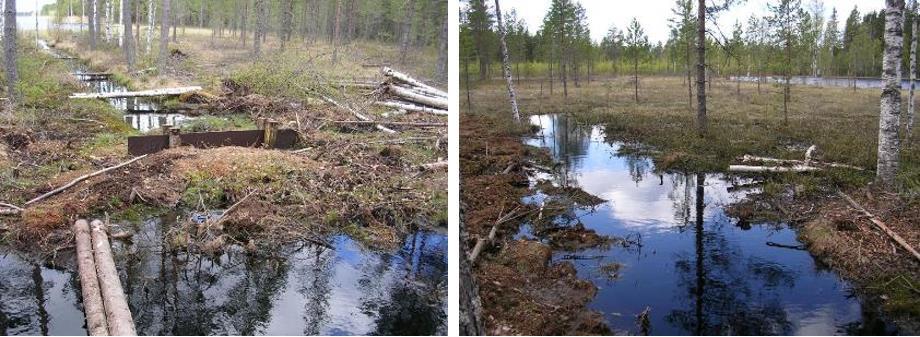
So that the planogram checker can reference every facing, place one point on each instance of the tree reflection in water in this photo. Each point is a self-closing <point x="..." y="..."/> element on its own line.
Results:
<point x="717" y="279"/>
<point x="301" y="289"/>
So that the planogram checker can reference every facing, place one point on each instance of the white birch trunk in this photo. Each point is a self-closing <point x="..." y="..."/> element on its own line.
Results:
<point x="911" y="105"/>
<point x="890" y="105"/>
<point x="506" y="65"/>
<point x="406" y="94"/>
<point x="151" y="15"/>
<point x="121" y="20"/>
<point x="412" y="107"/>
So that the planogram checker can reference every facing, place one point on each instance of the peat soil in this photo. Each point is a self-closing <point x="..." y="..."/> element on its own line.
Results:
<point x="524" y="291"/>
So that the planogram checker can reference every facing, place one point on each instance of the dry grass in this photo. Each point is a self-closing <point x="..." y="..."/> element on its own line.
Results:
<point x="843" y="122"/>
<point x="209" y="59"/>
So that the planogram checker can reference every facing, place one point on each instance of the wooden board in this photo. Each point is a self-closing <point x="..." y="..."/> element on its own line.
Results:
<point x="287" y="138"/>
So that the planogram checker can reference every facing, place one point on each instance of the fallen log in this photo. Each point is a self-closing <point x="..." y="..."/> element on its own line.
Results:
<point x="93" y="307"/>
<point x="780" y="245"/>
<point x="796" y="168"/>
<point x="433" y="125"/>
<point x="143" y="93"/>
<point x="433" y="166"/>
<point x="9" y="209"/>
<point x="79" y="179"/>
<point x="420" y="91"/>
<point x="357" y="114"/>
<point x="808" y="162"/>
<point x="389" y="72"/>
<point x="117" y="313"/>
<point x="881" y="225"/>
<point x="412" y="107"/>
<point x="417" y="98"/>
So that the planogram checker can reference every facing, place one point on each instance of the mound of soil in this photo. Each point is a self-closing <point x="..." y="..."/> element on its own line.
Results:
<point x="520" y="291"/>
<point x="576" y="238"/>
<point x="847" y="241"/>
<point x="523" y="294"/>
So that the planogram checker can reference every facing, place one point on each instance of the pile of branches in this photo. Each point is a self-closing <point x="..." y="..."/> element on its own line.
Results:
<point x="406" y="94"/>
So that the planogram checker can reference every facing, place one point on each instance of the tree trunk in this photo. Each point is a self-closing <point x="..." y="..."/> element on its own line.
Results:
<point x="470" y="304"/>
<point x="201" y="13"/>
<point x="164" y="37"/>
<point x="335" y="32"/>
<point x="244" y="15"/>
<point x="118" y="315"/>
<point x="786" y="75"/>
<point x="93" y="307"/>
<point x="9" y="50"/>
<point x="260" y="24"/>
<point x="911" y="104"/>
<point x="406" y="29"/>
<point x="127" y="37"/>
<point x="636" y="77"/>
<point x="701" y="121"/>
<point x="889" y="121"/>
<point x="92" y="24"/>
<point x="150" y="25"/>
<point x="441" y="70"/>
<point x="689" y="75"/>
<point x="506" y="65"/>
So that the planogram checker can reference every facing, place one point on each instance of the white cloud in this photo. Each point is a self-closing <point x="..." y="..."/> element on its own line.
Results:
<point x="654" y="14"/>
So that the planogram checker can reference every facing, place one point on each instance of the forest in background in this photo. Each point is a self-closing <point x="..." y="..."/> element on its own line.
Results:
<point x="795" y="37"/>
<point x="414" y="26"/>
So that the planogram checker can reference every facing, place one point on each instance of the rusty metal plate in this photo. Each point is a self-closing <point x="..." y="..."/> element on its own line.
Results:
<point x="147" y="144"/>
<point x="249" y="138"/>
<point x="141" y="145"/>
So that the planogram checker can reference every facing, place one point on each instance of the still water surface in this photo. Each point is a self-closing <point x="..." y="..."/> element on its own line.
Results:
<point x="698" y="270"/>
<point x="304" y="289"/>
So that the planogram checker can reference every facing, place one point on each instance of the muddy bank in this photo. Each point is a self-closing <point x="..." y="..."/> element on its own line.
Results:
<point x="522" y="290"/>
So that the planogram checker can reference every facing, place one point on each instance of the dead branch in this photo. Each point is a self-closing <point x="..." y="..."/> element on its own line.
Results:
<point x="881" y="225"/>
<point x="433" y="166"/>
<point x="394" y="123"/>
<point x="357" y="114"/>
<point x="796" y="168"/>
<point x="81" y="178"/>
<point x="231" y="209"/>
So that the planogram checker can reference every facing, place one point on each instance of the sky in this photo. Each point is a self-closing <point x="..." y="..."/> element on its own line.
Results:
<point x="31" y="5"/>
<point x="653" y="15"/>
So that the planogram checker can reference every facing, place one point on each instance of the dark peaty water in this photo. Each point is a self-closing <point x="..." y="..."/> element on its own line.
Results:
<point x="698" y="270"/>
<point x="304" y="289"/>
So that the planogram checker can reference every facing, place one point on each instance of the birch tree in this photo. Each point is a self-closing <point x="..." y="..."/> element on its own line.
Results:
<point x="890" y="112"/>
<point x="92" y="24"/>
<point x="151" y="6"/>
<point x="9" y="49"/>
<point x="911" y="105"/>
<point x="506" y="63"/>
